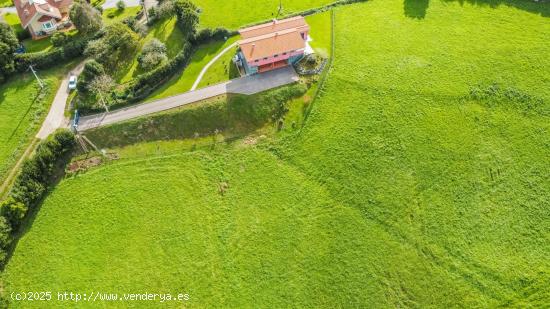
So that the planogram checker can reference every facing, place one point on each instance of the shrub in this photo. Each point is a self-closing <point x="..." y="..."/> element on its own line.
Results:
<point x="43" y="60"/>
<point x="206" y="35"/>
<point x="91" y="70"/>
<point x="151" y="60"/>
<point x="59" y="39"/>
<point x="8" y="45"/>
<point x="31" y="183"/>
<point x="5" y="239"/>
<point x="13" y="211"/>
<point x="120" y="5"/>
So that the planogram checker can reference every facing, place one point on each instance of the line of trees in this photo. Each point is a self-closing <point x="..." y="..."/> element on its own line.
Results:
<point x="32" y="183"/>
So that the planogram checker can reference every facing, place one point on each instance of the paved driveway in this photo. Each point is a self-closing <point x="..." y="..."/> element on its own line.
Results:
<point x="245" y="85"/>
<point x="56" y="116"/>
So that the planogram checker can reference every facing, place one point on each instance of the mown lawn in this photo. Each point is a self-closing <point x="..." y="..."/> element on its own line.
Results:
<point x="165" y="31"/>
<point x="113" y="15"/>
<point x="419" y="180"/>
<point x="233" y="14"/>
<point x="183" y="81"/>
<point x="6" y="3"/>
<point x="23" y="106"/>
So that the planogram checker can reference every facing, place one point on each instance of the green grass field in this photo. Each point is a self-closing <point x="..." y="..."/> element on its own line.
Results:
<point x="22" y="108"/>
<point x="183" y="81"/>
<point x="113" y="15"/>
<point x="419" y="180"/>
<point x="165" y="31"/>
<point x="233" y="14"/>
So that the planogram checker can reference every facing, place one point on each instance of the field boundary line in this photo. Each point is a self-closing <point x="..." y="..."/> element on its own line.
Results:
<point x="326" y="72"/>
<point x="15" y="170"/>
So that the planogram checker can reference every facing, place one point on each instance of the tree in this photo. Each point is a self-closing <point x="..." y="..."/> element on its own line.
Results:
<point x="91" y="70"/>
<point x="5" y="233"/>
<point x="187" y="15"/>
<point x="152" y="54"/>
<point x="117" y="42"/>
<point x="13" y="211"/>
<point x="120" y="5"/>
<point x="101" y="86"/>
<point x="85" y="17"/>
<point x="8" y="45"/>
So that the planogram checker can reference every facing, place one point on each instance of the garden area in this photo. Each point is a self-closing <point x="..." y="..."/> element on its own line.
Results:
<point x="418" y="180"/>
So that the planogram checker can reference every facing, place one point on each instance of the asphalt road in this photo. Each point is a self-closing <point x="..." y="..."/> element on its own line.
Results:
<point x="245" y="85"/>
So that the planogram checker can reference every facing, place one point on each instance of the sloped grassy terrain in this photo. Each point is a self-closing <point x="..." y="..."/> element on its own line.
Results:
<point x="420" y="179"/>
<point x="22" y="107"/>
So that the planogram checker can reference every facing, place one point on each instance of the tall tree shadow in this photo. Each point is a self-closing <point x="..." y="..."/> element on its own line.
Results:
<point x="540" y="7"/>
<point x="416" y="8"/>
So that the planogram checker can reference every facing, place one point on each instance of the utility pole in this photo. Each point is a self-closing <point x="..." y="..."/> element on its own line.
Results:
<point x="145" y="11"/>
<point x="37" y="78"/>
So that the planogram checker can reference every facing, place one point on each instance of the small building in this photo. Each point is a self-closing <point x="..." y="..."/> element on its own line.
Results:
<point x="43" y="17"/>
<point x="273" y="45"/>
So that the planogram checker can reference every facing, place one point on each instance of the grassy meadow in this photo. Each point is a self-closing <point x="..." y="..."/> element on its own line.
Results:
<point x="23" y="106"/>
<point x="419" y="180"/>
<point x="232" y="14"/>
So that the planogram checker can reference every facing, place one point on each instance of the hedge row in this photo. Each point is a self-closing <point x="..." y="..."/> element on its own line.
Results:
<point x="43" y="60"/>
<point x="207" y="35"/>
<point x="31" y="184"/>
<point x="143" y="85"/>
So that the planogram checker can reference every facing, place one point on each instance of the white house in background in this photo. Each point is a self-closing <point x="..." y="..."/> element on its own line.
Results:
<point x="43" y="17"/>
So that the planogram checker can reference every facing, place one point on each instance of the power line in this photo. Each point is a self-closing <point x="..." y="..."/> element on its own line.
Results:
<point x="37" y="78"/>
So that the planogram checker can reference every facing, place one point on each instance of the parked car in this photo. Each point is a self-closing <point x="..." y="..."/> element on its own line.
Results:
<point x="72" y="82"/>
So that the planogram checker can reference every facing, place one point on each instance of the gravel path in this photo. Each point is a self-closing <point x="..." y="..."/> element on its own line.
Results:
<point x="199" y="78"/>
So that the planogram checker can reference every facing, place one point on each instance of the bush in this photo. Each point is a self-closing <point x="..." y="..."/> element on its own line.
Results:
<point x="8" y="45"/>
<point x="92" y="69"/>
<point x="5" y="239"/>
<point x="151" y="60"/>
<point x="43" y="60"/>
<point x="13" y="211"/>
<point x="116" y="43"/>
<point x="31" y="183"/>
<point x="59" y="39"/>
<point x="206" y="35"/>
<point x="120" y="5"/>
<point x="144" y="84"/>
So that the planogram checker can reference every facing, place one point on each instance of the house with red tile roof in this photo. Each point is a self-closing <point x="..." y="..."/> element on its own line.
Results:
<point x="43" y="17"/>
<point x="272" y="45"/>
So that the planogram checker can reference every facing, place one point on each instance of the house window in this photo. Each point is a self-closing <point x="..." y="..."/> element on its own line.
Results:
<point x="276" y="55"/>
<point x="257" y="60"/>
<point x="284" y="54"/>
<point x="47" y="25"/>
<point x="265" y="58"/>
